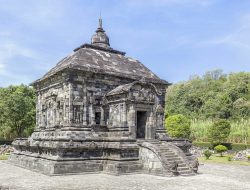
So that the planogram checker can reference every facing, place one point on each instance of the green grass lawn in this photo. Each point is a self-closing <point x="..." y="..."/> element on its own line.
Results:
<point x="222" y="160"/>
<point x="4" y="157"/>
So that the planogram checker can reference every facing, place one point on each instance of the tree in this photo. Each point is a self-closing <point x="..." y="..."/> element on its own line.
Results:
<point x="178" y="126"/>
<point x="17" y="105"/>
<point x="220" y="149"/>
<point x="214" y="95"/>
<point x="219" y="131"/>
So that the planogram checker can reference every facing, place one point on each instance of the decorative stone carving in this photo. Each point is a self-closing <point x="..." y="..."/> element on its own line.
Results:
<point x="195" y="165"/>
<point x="93" y="109"/>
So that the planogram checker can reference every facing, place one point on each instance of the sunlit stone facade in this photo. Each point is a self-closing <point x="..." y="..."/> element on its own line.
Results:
<point x="100" y="111"/>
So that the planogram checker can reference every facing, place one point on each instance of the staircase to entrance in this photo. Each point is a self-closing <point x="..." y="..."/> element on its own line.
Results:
<point x="171" y="162"/>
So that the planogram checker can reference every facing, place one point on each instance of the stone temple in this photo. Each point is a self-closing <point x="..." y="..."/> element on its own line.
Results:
<point x="100" y="111"/>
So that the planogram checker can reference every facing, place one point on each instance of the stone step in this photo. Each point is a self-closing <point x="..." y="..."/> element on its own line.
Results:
<point x="174" y="159"/>
<point x="178" y="161"/>
<point x="179" y="164"/>
<point x="185" y="172"/>
<point x="164" y="148"/>
<point x="167" y="152"/>
<point x="154" y="143"/>
<point x="183" y="169"/>
<point x="169" y="155"/>
<point x="182" y="165"/>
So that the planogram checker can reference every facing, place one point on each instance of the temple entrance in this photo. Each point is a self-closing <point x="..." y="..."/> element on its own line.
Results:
<point x="97" y="118"/>
<point x="141" y="124"/>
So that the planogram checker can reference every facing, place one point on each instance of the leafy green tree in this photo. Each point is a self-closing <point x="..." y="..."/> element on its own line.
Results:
<point x="17" y="105"/>
<point x="219" y="131"/>
<point x="178" y="126"/>
<point x="220" y="149"/>
<point x="241" y="108"/>
<point x="214" y="95"/>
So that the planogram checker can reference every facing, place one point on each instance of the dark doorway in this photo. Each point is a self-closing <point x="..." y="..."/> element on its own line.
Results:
<point x="141" y="124"/>
<point x="97" y="118"/>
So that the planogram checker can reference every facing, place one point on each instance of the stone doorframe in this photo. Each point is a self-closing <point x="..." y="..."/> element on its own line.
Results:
<point x="150" y="125"/>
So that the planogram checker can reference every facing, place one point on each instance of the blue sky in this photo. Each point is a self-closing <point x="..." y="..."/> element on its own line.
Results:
<point x="173" y="38"/>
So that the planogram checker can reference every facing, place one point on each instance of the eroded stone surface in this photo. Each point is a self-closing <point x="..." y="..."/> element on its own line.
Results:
<point x="91" y="109"/>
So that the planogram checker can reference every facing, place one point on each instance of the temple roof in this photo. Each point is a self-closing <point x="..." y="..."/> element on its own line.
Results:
<point x="99" y="57"/>
<point x="126" y="87"/>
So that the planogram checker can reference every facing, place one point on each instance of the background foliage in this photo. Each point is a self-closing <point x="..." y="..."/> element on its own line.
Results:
<point x="178" y="126"/>
<point x="17" y="111"/>
<point x="219" y="131"/>
<point x="212" y="96"/>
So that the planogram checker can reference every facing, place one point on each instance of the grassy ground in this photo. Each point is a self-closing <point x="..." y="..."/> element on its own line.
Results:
<point x="4" y="157"/>
<point x="222" y="160"/>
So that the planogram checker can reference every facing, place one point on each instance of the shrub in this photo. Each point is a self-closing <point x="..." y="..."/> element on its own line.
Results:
<point x="229" y="158"/>
<point x="228" y="145"/>
<point x="207" y="154"/>
<point x="248" y="157"/>
<point x="219" y="131"/>
<point x="4" y="157"/>
<point x="220" y="149"/>
<point x="178" y="126"/>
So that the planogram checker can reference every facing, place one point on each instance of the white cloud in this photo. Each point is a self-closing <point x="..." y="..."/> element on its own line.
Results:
<point x="8" y="52"/>
<point x="10" y="49"/>
<point x="34" y="13"/>
<point x="239" y="39"/>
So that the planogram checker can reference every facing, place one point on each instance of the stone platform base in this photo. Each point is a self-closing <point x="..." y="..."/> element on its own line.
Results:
<point x="51" y="167"/>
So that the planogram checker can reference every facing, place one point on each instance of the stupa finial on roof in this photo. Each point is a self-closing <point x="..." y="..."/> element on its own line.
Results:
<point x="100" y="38"/>
<point x="100" y="20"/>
